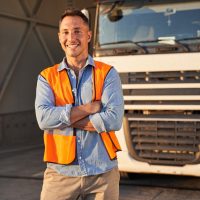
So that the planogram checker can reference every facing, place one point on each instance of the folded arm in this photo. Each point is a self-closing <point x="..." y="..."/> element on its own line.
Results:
<point x="84" y="124"/>
<point x="111" y="114"/>
<point x="50" y="116"/>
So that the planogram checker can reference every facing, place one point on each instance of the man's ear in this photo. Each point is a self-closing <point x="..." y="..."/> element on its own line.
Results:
<point x="89" y="36"/>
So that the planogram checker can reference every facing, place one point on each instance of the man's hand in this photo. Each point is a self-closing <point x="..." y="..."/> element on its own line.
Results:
<point x="80" y="112"/>
<point x="94" y="107"/>
<point x="84" y="124"/>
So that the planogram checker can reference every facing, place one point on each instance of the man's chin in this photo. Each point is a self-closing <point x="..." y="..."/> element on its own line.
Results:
<point x="71" y="54"/>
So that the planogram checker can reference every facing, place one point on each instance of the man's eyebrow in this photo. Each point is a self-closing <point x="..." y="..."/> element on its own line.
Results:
<point x="76" y="28"/>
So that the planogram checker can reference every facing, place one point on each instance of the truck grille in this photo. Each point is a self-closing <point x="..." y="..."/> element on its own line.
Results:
<point x="161" y="77"/>
<point x="163" y="142"/>
<point x="162" y="116"/>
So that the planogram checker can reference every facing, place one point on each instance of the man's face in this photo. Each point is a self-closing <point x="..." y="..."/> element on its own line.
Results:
<point x="74" y="36"/>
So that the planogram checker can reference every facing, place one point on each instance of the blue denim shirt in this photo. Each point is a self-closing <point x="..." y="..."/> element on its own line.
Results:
<point x="91" y="157"/>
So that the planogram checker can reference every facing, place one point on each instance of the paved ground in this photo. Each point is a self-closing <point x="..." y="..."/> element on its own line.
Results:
<point x="21" y="173"/>
<point x="17" y="168"/>
<point x="19" y="189"/>
<point x="152" y="193"/>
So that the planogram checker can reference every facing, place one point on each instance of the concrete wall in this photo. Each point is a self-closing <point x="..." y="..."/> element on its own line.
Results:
<point x="28" y="43"/>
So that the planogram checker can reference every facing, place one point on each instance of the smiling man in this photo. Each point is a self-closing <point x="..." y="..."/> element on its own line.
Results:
<point x="79" y="105"/>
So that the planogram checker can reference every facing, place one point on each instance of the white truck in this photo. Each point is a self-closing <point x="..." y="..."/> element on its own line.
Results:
<point x="155" y="46"/>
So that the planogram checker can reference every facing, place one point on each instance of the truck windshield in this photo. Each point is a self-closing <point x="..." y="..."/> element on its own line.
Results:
<point x="148" y="25"/>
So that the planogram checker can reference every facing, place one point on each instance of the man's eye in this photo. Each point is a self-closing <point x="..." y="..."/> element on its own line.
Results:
<point x="77" y="32"/>
<point x="65" y="32"/>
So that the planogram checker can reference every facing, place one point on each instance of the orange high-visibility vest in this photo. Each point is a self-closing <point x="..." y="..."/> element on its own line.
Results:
<point x="60" y="145"/>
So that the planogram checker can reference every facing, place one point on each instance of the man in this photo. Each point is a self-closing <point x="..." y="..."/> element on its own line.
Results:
<point x="79" y="105"/>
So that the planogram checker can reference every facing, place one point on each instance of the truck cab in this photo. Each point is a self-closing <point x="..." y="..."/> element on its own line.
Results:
<point x="155" y="47"/>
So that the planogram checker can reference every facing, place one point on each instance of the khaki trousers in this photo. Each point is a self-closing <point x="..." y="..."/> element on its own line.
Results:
<point x="98" y="187"/>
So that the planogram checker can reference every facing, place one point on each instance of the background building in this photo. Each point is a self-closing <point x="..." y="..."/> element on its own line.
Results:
<point x="28" y="43"/>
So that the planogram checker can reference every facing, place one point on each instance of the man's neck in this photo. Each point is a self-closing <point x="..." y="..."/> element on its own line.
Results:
<point x="76" y="64"/>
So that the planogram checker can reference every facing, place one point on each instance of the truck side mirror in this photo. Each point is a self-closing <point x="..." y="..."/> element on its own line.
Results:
<point x="115" y="15"/>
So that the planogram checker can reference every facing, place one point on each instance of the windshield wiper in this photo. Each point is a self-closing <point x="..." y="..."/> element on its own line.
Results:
<point x="166" y="41"/>
<point x="188" y="38"/>
<point x="143" y="49"/>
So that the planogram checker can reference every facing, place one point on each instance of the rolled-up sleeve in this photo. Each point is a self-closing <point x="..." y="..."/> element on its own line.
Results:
<point x="111" y="115"/>
<point x="48" y="115"/>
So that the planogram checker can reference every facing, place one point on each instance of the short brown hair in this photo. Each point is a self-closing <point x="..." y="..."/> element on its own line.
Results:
<point x="74" y="12"/>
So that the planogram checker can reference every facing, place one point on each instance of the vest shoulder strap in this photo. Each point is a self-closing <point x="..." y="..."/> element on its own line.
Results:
<point x="49" y="74"/>
<point x="100" y="72"/>
<point x="60" y="84"/>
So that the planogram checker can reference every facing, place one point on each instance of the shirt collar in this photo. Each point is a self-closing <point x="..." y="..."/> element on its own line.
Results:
<point x="63" y="64"/>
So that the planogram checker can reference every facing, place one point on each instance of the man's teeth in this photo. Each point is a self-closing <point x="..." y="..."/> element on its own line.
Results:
<point x="72" y="45"/>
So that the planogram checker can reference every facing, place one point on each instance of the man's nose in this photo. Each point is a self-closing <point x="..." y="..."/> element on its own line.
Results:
<point x="71" y="36"/>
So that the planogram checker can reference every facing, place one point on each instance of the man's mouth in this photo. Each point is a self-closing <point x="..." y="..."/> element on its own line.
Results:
<point x="72" y="46"/>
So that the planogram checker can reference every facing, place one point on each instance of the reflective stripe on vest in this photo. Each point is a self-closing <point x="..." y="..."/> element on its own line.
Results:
<point x="61" y="148"/>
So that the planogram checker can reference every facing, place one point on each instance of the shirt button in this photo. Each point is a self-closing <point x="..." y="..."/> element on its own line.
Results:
<point x="79" y="141"/>
<point x="80" y="157"/>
